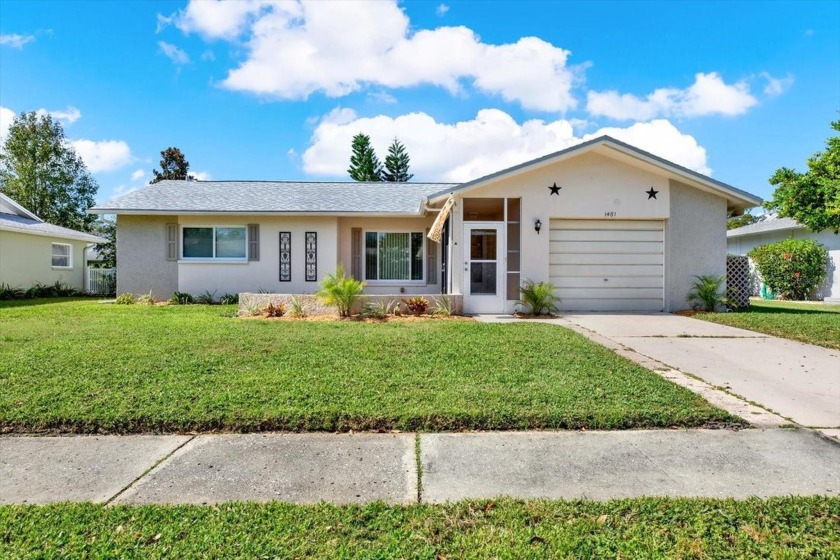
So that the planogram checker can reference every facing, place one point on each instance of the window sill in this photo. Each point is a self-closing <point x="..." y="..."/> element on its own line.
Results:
<point x="62" y="268"/>
<point x="406" y="283"/>
<point x="213" y="261"/>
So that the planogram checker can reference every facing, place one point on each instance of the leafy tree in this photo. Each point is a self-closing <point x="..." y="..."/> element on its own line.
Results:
<point x="108" y="251"/>
<point x="734" y="222"/>
<point x="396" y="164"/>
<point x="40" y="170"/>
<point x="364" y="165"/>
<point x="174" y="166"/>
<point x="811" y="198"/>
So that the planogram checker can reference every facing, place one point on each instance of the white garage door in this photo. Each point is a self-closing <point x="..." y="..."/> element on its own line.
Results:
<point x="607" y="265"/>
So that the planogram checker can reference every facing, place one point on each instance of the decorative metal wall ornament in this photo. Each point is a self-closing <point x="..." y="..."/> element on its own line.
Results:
<point x="652" y="194"/>
<point x="311" y="248"/>
<point x="554" y="190"/>
<point x="285" y="256"/>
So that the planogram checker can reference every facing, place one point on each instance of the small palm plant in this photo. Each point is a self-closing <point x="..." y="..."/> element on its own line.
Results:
<point x="340" y="290"/>
<point x="705" y="293"/>
<point x="538" y="297"/>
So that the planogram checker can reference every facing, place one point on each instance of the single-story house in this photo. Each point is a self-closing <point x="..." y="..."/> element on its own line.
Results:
<point x="33" y="251"/>
<point x="742" y="240"/>
<point x="614" y="227"/>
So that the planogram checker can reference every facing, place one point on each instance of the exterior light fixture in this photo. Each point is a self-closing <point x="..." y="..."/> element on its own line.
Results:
<point x="537" y="226"/>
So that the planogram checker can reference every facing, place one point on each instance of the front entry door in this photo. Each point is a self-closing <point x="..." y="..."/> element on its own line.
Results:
<point x="484" y="269"/>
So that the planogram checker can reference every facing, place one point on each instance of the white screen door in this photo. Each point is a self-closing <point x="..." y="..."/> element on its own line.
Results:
<point x="484" y="270"/>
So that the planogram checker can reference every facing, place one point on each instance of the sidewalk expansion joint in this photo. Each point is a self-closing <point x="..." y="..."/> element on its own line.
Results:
<point x="157" y="463"/>
<point x="418" y="467"/>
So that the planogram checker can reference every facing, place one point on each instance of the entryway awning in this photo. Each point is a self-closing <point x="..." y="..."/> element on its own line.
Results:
<point x="436" y="231"/>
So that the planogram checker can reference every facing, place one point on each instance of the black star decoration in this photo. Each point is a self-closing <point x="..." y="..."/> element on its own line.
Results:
<point x="652" y="193"/>
<point x="554" y="189"/>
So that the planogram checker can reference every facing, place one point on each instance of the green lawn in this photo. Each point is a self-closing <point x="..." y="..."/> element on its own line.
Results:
<point x="805" y="322"/>
<point x="82" y="366"/>
<point x="639" y="528"/>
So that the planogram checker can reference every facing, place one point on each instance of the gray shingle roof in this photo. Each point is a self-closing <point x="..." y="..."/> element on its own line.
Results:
<point x="770" y="224"/>
<point x="273" y="196"/>
<point x="12" y="222"/>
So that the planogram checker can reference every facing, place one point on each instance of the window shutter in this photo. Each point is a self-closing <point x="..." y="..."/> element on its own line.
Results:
<point x="431" y="261"/>
<point x="172" y="242"/>
<point x="253" y="242"/>
<point x="356" y="252"/>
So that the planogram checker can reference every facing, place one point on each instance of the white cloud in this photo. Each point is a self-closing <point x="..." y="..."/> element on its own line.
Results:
<point x="138" y="174"/>
<point x="708" y="95"/>
<point x="69" y="115"/>
<point x="15" y="40"/>
<point x="173" y="53"/>
<point x="491" y="141"/>
<point x="335" y="48"/>
<point x="776" y="86"/>
<point x="382" y="97"/>
<point x="441" y="10"/>
<point x="7" y="117"/>
<point x="201" y="175"/>
<point x="105" y="155"/>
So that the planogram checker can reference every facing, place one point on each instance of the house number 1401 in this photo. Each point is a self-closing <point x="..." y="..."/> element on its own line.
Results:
<point x="609" y="214"/>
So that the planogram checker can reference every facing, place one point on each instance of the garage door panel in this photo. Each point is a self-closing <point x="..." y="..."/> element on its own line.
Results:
<point x="605" y="224"/>
<point x="607" y="265"/>
<point x="622" y="247"/>
<point x="605" y="235"/>
<point x="612" y="305"/>
<point x="606" y="258"/>
<point x="603" y="271"/>
<point x="610" y="293"/>
<point x="604" y="281"/>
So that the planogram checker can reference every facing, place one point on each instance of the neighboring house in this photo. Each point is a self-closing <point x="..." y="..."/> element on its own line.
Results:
<point x="33" y="251"/>
<point x="742" y="240"/>
<point x="614" y="227"/>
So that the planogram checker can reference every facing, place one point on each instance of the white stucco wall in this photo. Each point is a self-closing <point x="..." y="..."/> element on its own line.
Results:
<point x="141" y="256"/>
<point x="830" y="288"/>
<point x="26" y="259"/>
<point x="593" y="186"/>
<point x="695" y="241"/>
<point x="264" y="274"/>
<point x="345" y="252"/>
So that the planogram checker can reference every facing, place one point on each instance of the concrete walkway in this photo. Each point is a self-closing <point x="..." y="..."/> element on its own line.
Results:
<point x="357" y="468"/>
<point x="799" y="382"/>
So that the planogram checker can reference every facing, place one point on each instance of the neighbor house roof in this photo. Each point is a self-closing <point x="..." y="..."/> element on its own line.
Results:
<point x="736" y="198"/>
<point x="275" y="197"/>
<point x="770" y="224"/>
<point x="22" y="224"/>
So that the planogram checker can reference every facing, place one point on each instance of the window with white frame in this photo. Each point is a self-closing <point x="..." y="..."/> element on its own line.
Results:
<point x="223" y="243"/>
<point x="394" y="256"/>
<point x="62" y="255"/>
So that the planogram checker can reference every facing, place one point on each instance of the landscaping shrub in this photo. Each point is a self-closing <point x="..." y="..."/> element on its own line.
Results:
<point x="275" y="310"/>
<point x="181" y="298"/>
<point x="206" y="298"/>
<point x="443" y="307"/>
<point x="792" y="268"/>
<point x="39" y="290"/>
<point x="126" y="298"/>
<point x="229" y="299"/>
<point x="417" y="305"/>
<point x="538" y="297"/>
<point x="705" y="293"/>
<point x="340" y="290"/>
<point x="374" y="310"/>
<point x="146" y="299"/>
<point x="297" y="308"/>
<point x="8" y="292"/>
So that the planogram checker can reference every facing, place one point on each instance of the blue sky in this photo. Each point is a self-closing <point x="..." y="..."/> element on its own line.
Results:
<point x="257" y="90"/>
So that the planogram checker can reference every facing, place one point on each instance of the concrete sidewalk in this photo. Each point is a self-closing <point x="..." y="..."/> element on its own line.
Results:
<point x="357" y="468"/>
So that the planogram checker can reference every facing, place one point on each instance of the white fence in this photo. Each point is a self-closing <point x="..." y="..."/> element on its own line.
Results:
<point x="101" y="281"/>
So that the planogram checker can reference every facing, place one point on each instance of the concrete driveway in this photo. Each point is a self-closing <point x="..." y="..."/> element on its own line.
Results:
<point x="798" y="381"/>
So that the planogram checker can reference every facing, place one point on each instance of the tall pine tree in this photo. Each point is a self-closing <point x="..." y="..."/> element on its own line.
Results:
<point x="397" y="163"/>
<point x="364" y="165"/>
<point x="173" y="166"/>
